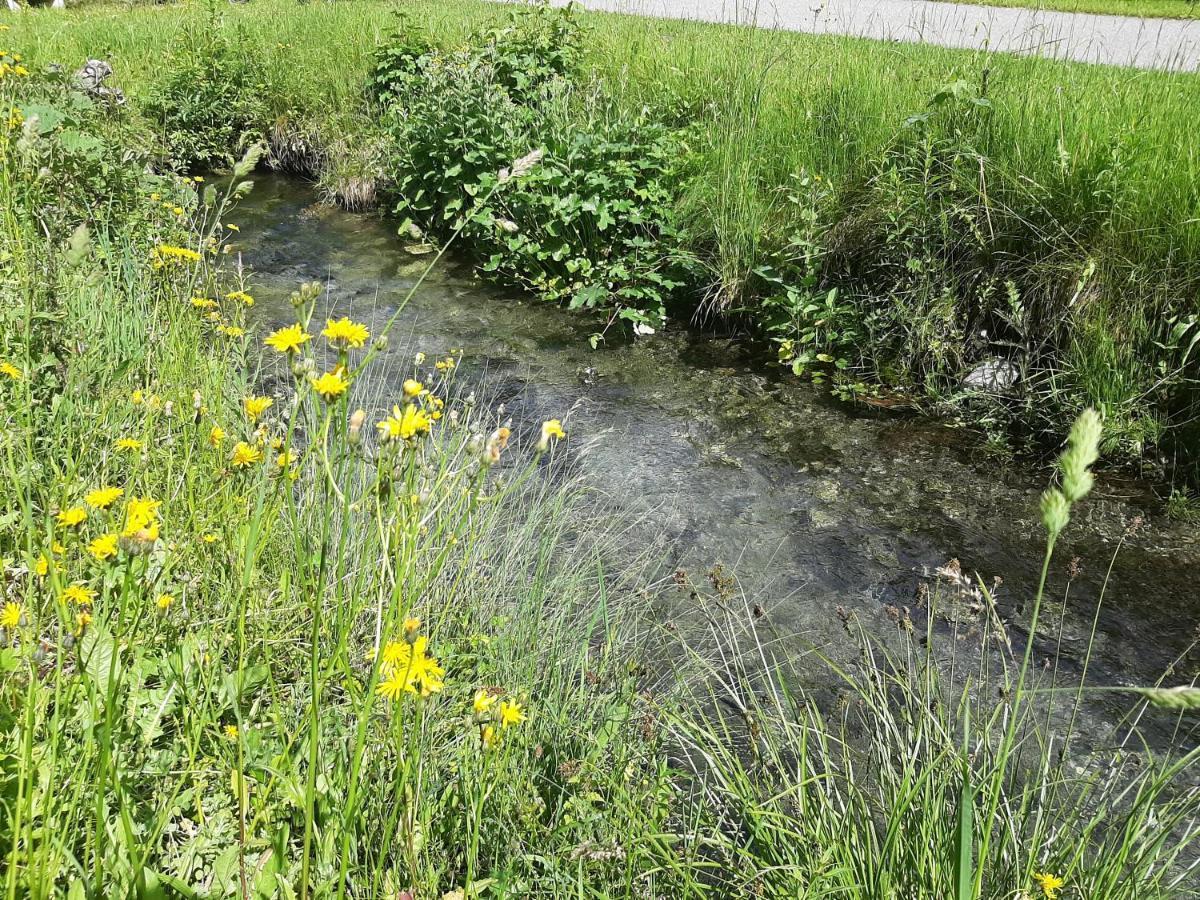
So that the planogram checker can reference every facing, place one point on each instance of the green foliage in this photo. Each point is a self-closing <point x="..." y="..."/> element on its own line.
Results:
<point x="538" y="46"/>
<point x="397" y="59"/>
<point x="591" y="224"/>
<point x="210" y="104"/>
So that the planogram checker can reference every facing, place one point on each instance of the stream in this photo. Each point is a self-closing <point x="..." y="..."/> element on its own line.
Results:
<point x="813" y="503"/>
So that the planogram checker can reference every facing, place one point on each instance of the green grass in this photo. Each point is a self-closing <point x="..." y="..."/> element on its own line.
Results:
<point x="209" y="722"/>
<point x="1156" y="9"/>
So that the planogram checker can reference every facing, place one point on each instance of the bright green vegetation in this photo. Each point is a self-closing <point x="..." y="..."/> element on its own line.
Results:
<point x="965" y="207"/>
<point x="1159" y="9"/>
<point x="307" y="651"/>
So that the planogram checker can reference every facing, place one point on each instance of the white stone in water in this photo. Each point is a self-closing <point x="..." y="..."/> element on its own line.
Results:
<point x="992" y="375"/>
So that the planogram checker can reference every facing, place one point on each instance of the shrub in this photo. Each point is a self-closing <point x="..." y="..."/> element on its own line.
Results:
<point x="210" y="105"/>
<point x="592" y="226"/>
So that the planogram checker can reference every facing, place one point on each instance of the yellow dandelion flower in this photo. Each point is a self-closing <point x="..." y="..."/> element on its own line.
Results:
<point x="137" y="398"/>
<point x="72" y="516"/>
<point x="204" y="303"/>
<point x="166" y="255"/>
<point x="444" y="365"/>
<point x="1050" y="884"/>
<point x="288" y="340"/>
<point x="404" y="425"/>
<point x="331" y="385"/>
<point x="552" y="430"/>
<point x="141" y="518"/>
<point x="240" y="297"/>
<point x="104" y="547"/>
<point x="232" y="331"/>
<point x="11" y="616"/>
<point x="411" y="625"/>
<point x="511" y="713"/>
<point x="410" y="670"/>
<point x="130" y="444"/>
<point x="164" y="601"/>
<point x="413" y="388"/>
<point x="58" y="548"/>
<point x="488" y="736"/>
<point x="344" y="333"/>
<point x="78" y="593"/>
<point x="82" y="620"/>
<point x="211" y="538"/>
<point x="245" y="455"/>
<point x="11" y="371"/>
<point x="104" y="497"/>
<point x="216" y="437"/>
<point x="483" y="702"/>
<point x="231" y="732"/>
<point x="42" y="567"/>
<point x="256" y="406"/>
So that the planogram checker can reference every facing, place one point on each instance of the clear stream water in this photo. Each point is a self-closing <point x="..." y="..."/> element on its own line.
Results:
<point x="814" y="504"/>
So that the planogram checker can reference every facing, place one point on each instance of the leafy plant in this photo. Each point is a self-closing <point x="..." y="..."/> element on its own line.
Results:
<point x="210" y="105"/>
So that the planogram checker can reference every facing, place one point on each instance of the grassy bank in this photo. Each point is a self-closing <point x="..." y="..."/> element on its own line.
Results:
<point x="269" y="632"/>
<point x="970" y="210"/>
<point x="1160" y="9"/>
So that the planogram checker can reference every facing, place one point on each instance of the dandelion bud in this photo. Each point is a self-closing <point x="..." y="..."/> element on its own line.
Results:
<point x="1056" y="511"/>
<point x="356" y="424"/>
<point x="419" y="359"/>
<point x="381" y="343"/>
<point x="168" y="409"/>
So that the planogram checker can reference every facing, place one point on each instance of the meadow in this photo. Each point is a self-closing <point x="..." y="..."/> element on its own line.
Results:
<point x="270" y="631"/>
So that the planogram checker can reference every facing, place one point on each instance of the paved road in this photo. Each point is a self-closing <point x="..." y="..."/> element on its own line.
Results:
<point x="1119" y="40"/>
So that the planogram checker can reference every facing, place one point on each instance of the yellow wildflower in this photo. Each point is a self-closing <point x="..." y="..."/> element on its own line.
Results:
<point x="72" y="516"/>
<point x="204" y="303"/>
<point x="413" y="388"/>
<point x="444" y="365"/>
<point x="42" y="566"/>
<point x="487" y="734"/>
<point x="216" y="437"/>
<point x="411" y="625"/>
<point x="344" y="333"/>
<point x="1050" y="884"/>
<point x="240" y="297"/>
<point x="288" y="340"/>
<point x="409" y="670"/>
<point x="331" y="385"/>
<point x="78" y="593"/>
<point x="11" y="616"/>
<point x="483" y="702"/>
<point x="164" y="601"/>
<point x="232" y="227"/>
<point x="104" y="547"/>
<point x="256" y="406"/>
<point x="58" y="547"/>
<point x="231" y="732"/>
<point x="232" y="331"/>
<point x="404" y="425"/>
<point x="511" y="713"/>
<point x="130" y="444"/>
<point x="8" y="369"/>
<point x="104" y="497"/>
<point x="166" y="255"/>
<point x="82" y="620"/>
<point x="245" y="455"/>
<point x="211" y="538"/>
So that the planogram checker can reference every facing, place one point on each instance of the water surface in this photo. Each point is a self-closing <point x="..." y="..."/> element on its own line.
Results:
<point x="815" y="505"/>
